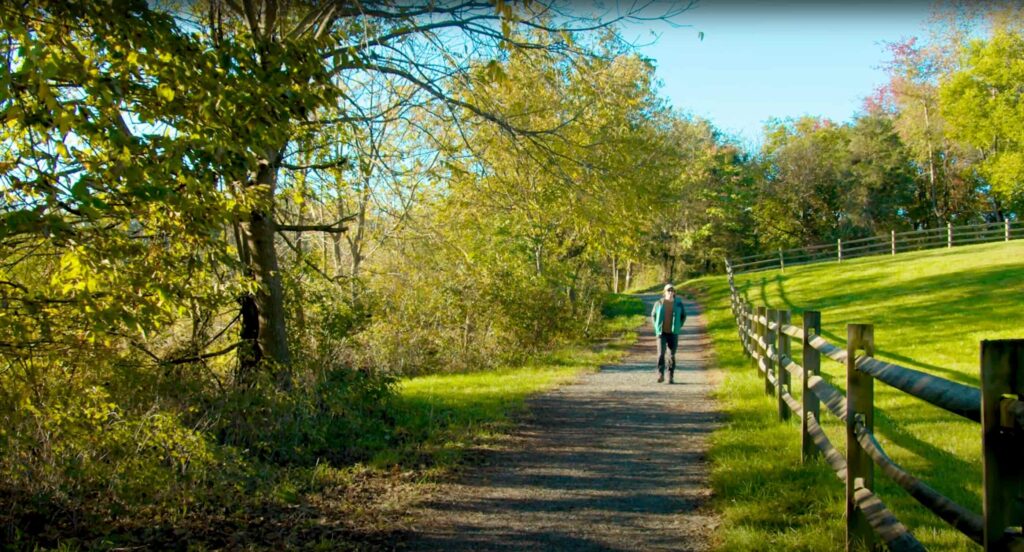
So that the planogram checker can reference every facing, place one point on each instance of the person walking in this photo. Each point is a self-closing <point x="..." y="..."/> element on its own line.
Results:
<point x="668" y="317"/>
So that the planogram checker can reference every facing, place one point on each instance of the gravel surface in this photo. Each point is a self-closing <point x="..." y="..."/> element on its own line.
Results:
<point x="614" y="461"/>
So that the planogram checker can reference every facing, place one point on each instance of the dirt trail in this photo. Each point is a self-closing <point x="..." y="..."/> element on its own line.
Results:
<point x="614" y="461"/>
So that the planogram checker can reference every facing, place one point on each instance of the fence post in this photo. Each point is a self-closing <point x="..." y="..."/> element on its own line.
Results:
<point x="812" y="367"/>
<point x="782" y="318"/>
<point x="741" y="326"/>
<point x="893" y="234"/>
<point x="1002" y="387"/>
<point x="949" y="234"/>
<point x="772" y="340"/>
<point x="839" y="249"/>
<point x="744" y="329"/>
<point x="761" y="331"/>
<point x="782" y="263"/>
<point x="1006" y="228"/>
<point x="860" y="397"/>
<point x="752" y="333"/>
<point x="737" y="314"/>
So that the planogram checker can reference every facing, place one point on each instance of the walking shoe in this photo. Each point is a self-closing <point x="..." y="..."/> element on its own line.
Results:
<point x="661" y="378"/>
<point x="671" y="378"/>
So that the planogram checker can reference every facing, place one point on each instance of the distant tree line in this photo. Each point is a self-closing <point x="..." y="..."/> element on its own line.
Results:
<point x="940" y="143"/>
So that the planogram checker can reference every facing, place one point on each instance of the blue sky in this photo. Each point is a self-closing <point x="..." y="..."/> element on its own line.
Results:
<point x="761" y="59"/>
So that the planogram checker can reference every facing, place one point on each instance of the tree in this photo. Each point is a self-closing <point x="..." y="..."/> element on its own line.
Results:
<point x="113" y="211"/>
<point x="881" y="198"/>
<point x="806" y="183"/>
<point x="946" y="189"/>
<point x="983" y="105"/>
<point x="232" y="88"/>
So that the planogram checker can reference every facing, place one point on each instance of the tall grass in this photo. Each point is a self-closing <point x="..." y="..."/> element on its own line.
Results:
<point x="930" y="310"/>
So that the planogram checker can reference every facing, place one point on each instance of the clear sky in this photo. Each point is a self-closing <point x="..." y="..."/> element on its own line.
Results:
<point x="762" y="59"/>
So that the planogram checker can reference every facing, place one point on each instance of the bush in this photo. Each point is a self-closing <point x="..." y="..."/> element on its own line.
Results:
<point x="338" y="414"/>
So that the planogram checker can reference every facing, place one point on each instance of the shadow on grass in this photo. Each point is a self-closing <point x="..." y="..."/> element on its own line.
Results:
<point x="946" y="303"/>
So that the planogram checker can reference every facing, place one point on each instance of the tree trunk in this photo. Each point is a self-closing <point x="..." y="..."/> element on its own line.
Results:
<point x="629" y="274"/>
<point x="270" y="333"/>
<point x="300" y="312"/>
<point x="249" y="353"/>
<point x="338" y="257"/>
<point x="932" y="187"/>
<point x="357" y="241"/>
<point x="615" y="274"/>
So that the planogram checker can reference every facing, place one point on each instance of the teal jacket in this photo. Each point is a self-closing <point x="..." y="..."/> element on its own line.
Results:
<point x="678" y="315"/>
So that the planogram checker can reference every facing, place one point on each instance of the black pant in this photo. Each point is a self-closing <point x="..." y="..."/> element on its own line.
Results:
<point x="670" y="340"/>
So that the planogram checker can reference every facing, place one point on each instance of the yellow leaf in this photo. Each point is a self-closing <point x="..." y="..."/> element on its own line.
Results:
<point x="165" y="92"/>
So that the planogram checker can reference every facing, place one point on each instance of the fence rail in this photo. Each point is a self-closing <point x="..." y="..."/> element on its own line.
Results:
<point x="895" y="242"/>
<point x="766" y="336"/>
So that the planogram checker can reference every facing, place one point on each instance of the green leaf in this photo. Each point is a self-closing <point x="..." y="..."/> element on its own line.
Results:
<point x="165" y="92"/>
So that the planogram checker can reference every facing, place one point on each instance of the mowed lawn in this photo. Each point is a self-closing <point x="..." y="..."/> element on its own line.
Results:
<point x="930" y="310"/>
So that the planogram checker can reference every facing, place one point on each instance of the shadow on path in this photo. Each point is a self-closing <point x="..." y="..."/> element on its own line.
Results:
<point x="612" y="462"/>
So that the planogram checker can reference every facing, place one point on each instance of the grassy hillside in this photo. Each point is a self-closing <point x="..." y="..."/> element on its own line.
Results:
<point x="930" y="310"/>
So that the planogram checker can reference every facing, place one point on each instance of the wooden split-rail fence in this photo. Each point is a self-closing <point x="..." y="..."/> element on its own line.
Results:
<point x="767" y="334"/>
<point x="890" y="244"/>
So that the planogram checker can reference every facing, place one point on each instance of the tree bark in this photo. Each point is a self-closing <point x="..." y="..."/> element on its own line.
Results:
<point x="629" y="274"/>
<point x="270" y="332"/>
<point x="615" y="274"/>
<point x="932" y="187"/>
<point x="300" y="312"/>
<point x="357" y="240"/>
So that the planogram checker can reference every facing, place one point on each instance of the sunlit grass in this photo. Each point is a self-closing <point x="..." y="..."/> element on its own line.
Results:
<point x="930" y="310"/>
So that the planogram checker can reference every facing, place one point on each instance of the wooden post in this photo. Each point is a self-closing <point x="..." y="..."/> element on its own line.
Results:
<point x="744" y="309"/>
<point x="759" y="330"/>
<point x="860" y="407"/>
<point x="772" y="340"/>
<point x="1006" y="228"/>
<point x="893" y="239"/>
<point x="839" y="249"/>
<point x="1002" y="385"/>
<point x="782" y="263"/>
<point x="741" y="323"/>
<point x="812" y="366"/>
<point x="949" y="234"/>
<point x="755" y="330"/>
<point x="782" y="318"/>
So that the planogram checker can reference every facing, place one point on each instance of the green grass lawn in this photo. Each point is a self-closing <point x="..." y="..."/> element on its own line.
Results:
<point x="930" y="310"/>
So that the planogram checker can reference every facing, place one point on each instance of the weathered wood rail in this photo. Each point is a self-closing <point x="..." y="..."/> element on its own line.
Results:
<point x="912" y="240"/>
<point x="766" y="335"/>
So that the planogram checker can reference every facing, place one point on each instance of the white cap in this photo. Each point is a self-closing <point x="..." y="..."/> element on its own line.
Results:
<point x="669" y="287"/>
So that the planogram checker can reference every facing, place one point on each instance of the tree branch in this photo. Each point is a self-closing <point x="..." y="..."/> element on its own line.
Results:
<point x="336" y="164"/>
<point x="333" y="228"/>
<point x="204" y="356"/>
<point x="299" y="255"/>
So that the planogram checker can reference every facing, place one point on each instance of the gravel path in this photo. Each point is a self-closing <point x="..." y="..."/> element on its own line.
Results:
<point x="612" y="462"/>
